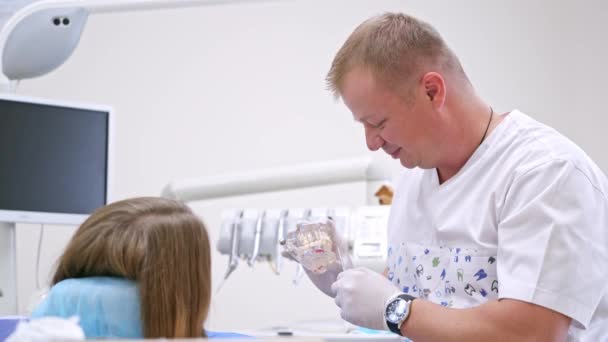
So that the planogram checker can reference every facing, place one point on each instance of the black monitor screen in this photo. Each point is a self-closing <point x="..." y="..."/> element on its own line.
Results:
<point x="52" y="158"/>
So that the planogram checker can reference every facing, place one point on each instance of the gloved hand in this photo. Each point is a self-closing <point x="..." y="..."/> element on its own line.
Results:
<point x="323" y="281"/>
<point x="361" y="294"/>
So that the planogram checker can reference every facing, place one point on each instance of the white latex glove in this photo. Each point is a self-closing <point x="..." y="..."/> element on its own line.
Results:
<point x="361" y="295"/>
<point x="324" y="280"/>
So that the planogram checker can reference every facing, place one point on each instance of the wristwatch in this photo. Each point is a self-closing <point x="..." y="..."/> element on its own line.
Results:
<point x="396" y="311"/>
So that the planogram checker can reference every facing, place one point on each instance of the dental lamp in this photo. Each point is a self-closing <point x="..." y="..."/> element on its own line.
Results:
<point x="37" y="36"/>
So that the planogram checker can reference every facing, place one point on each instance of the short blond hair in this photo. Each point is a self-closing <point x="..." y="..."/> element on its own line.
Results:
<point x="395" y="47"/>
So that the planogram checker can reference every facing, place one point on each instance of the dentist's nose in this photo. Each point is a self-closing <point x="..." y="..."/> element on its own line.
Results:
<point x="373" y="139"/>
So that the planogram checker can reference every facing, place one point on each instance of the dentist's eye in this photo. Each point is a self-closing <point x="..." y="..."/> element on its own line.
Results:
<point x="380" y="125"/>
<point x="373" y="125"/>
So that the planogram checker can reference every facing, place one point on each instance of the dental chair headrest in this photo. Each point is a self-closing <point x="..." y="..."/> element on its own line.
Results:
<point x="107" y="306"/>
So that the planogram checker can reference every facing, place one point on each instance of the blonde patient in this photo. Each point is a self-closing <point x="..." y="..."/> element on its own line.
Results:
<point x="140" y="267"/>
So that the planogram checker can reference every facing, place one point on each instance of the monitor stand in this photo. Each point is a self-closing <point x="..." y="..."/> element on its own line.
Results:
<point x="8" y="271"/>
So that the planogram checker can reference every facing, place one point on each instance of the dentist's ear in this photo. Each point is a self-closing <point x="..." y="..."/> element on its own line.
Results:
<point x="431" y="94"/>
<point x="434" y="86"/>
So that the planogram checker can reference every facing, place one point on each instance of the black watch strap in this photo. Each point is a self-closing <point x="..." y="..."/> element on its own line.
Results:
<point x="394" y="327"/>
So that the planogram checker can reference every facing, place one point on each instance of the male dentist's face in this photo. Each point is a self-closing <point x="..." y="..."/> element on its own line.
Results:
<point x="399" y="128"/>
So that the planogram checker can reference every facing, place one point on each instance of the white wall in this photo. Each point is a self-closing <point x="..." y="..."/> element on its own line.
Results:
<point x="230" y="88"/>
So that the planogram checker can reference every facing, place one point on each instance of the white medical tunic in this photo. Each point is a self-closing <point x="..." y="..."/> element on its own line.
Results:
<point x="526" y="218"/>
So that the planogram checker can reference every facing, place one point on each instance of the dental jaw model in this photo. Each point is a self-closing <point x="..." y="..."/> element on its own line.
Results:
<point x="313" y="245"/>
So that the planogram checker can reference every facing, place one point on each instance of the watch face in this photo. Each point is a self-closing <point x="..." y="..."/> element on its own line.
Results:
<point x="396" y="310"/>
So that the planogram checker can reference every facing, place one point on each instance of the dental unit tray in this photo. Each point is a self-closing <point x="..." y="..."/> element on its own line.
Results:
<point x="256" y="234"/>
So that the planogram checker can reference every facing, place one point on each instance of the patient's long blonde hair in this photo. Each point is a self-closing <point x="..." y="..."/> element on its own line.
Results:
<point x="158" y="243"/>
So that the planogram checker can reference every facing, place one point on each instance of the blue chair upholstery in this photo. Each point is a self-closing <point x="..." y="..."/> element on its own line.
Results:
<point x="108" y="307"/>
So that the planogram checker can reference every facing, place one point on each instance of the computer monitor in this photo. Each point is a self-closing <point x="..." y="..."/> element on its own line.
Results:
<point x="54" y="160"/>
